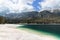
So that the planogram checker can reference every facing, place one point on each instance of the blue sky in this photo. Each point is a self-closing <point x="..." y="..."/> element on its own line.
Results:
<point x="36" y="4"/>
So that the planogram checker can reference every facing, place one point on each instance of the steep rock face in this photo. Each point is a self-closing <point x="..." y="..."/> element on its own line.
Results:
<point x="23" y="15"/>
<point x="45" y="14"/>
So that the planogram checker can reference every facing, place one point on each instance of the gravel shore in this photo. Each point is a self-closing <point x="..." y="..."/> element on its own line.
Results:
<point x="9" y="32"/>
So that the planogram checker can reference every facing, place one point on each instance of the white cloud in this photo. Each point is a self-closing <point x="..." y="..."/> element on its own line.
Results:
<point x="50" y="4"/>
<point x="17" y="5"/>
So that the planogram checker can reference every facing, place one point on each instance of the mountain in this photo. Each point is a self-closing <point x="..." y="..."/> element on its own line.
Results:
<point x="49" y="14"/>
<point x="14" y="17"/>
<point x="22" y="15"/>
<point x="45" y="14"/>
<point x="33" y="16"/>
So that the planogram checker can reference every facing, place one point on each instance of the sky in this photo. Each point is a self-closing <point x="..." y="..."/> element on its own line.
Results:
<point x="36" y="5"/>
<point x="50" y="4"/>
<point x="19" y="5"/>
<point x="28" y="5"/>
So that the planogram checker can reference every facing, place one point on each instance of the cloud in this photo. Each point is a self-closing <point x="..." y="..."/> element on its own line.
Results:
<point x="50" y="4"/>
<point x="17" y="5"/>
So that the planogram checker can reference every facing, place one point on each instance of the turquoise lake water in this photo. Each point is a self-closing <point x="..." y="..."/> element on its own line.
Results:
<point x="49" y="29"/>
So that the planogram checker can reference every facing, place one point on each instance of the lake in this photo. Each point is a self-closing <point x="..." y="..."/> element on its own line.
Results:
<point x="43" y="29"/>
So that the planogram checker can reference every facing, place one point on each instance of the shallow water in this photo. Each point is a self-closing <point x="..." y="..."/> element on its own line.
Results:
<point x="44" y="29"/>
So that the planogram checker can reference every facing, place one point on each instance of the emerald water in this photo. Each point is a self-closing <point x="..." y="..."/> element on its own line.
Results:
<point x="42" y="29"/>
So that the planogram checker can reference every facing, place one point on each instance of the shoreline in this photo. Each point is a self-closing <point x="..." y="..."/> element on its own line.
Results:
<point x="30" y="24"/>
<point x="7" y="33"/>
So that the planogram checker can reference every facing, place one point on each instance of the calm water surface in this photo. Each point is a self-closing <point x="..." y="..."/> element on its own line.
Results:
<point x="45" y="29"/>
